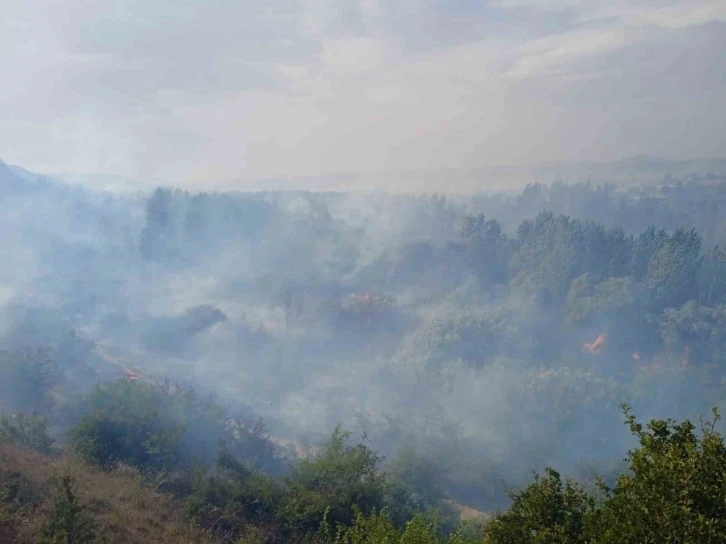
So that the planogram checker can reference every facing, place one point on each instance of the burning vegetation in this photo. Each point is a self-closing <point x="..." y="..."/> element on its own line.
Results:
<point x="597" y="345"/>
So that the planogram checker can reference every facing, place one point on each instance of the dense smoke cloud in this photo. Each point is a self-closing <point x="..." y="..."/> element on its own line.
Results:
<point x="490" y="333"/>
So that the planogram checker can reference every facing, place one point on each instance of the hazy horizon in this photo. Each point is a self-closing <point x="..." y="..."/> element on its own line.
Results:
<point x="627" y="171"/>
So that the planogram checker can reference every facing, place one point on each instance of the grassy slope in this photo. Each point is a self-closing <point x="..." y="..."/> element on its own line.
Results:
<point x="128" y="510"/>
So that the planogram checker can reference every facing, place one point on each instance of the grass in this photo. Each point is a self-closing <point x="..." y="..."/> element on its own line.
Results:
<point x="127" y="509"/>
<point x="466" y="513"/>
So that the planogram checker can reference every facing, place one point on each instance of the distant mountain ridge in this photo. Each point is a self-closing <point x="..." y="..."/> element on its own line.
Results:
<point x="638" y="169"/>
<point x="12" y="175"/>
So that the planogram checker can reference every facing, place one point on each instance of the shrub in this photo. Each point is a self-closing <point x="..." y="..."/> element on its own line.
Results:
<point x="337" y="478"/>
<point x="162" y="428"/>
<point x="378" y="528"/>
<point x="128" y="422"/>
<point x="27" y="431"/>
<point x="17" y="493"/>
<point x="675" y="490"/>
<point x="548" y="511"/>
<point x="232" y="498"/>
<point x="415" y="485"/>
<point x="475" y="337"/>
<point x="69" y="522"/>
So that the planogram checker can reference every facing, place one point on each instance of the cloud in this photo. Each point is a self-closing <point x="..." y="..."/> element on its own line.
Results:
<point x="195" y="93"/>
<point x="555" y="54"/>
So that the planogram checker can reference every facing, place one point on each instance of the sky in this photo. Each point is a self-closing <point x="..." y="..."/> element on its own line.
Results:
<point x="196" y="93"/>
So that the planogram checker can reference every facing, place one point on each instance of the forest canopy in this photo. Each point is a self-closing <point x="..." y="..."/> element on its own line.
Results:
<point x="326" y="365"/>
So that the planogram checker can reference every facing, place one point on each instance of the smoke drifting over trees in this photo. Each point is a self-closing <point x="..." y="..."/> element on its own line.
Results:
<point x="479" y="338"/>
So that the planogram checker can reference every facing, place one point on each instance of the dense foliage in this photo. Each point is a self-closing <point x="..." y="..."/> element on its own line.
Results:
<point x="161" y="427"/>
<point x="673" y="491"/>
<point x="469" y="340"/>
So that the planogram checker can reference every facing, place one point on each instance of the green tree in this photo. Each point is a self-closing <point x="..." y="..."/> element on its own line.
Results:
<point x="675" y="489"/>
<point x="554" y="250"/>
<point x="616" y="307"/>
<point x="128" y="422"/>
<point x="475" y="337"/>
<point x="644" y="248"/>
<point x="378" y="528"/>
<point x="196" y="217"/>
<point x="487" y="248"/>
<point x="163" y="427"/>
<point x="695" y="334"/>
<point x="548" y="511"/>
<point x="712" y="277"/>
<point x="419" y="473"/>
<point x="234" y="498"/>
<point x="673" y="269"/>
<point x="337" y="478"/>
<point x="158" y="236"/>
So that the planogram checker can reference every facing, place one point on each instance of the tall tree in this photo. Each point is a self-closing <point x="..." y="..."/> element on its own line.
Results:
<point x="158" y="230"/>
<point x="645" y="247"/>
<point x="712" y="277"/>
<point x="487" y="248"/>
<point x="672" y="271"/>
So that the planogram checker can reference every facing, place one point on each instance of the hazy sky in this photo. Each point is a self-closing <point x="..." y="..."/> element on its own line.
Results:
<point x="191" y="91"/>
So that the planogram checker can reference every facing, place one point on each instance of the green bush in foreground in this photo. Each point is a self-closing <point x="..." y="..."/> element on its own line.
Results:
<point x="378" y="528"/>
<point x="69" y="522"/>
<point x="674" y="492"/>
<point x="548" y="511"/>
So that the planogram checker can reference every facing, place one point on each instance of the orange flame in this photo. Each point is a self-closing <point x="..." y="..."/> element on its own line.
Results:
<point x="131" y="375"/>
<point x="596" y="345"/>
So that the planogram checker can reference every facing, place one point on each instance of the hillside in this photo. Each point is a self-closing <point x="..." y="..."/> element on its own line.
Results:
<point x="672" y="491"/>
<point x="127" y="510"/>
<point x="277" y="361"/>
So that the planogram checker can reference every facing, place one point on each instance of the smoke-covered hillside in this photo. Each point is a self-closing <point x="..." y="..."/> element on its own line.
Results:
<point x="496" y="334"/>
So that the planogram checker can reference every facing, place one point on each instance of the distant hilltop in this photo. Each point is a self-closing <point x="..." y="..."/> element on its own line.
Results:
<point x="636" y="170"/>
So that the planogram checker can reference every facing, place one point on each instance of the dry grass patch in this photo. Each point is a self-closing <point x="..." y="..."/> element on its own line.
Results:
<point x="127" y="509"/>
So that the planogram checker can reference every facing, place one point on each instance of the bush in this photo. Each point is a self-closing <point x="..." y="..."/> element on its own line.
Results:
<point x="475" y="337"/>
<point x="18" y="494"/>
<point x="695" y="334"/>
<point x="415" y="483"/>
<point x="341" y="484"/>
<point x="675" y="490"/>
<point x="419" y="473"/>
<point x="337" y="478"/>
<point x="27" y="431"/>
<point x="378" y="528"/>
<point x="69" y="523"/>
<point x="546" y="512"/>
<point x="162" y="428"/>
<point x="232" y="498"/>
<point x="131" y="423"/>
